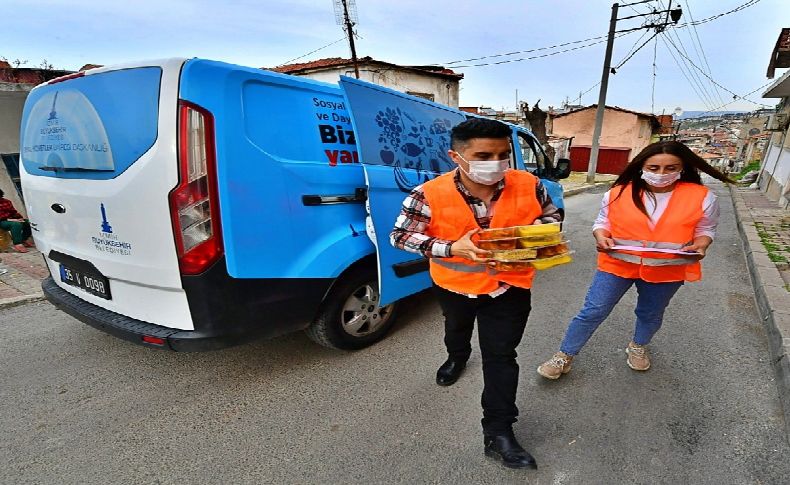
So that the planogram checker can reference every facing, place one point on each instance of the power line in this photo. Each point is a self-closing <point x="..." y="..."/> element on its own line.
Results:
<point x="449" y="64"/>
<point x="748" y="4"/>
<point x="686" y="61"/>
<point x="707" y="88"/>
<point x="633" y="53"/>
<point x="312" y="52"/>
<point x="703" y="86"/>
<point x="653" y="92"/>
<point x="711" y="79"/>
<point x="538" y="49"/>
<point x="631" y="50"/>
<point x="705" y="102"/>
<point x="533" y="57"/>
<point x="701" y="51"/>
<point x="701" y="115"/>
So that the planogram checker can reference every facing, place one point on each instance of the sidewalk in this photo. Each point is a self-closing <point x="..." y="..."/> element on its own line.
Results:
<point x="21" y="282"/>
<point x="576" y="183"/>
<point x="765" y="232"/>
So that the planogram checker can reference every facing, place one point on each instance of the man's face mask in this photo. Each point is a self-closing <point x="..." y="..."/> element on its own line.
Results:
<point x="485" y="172"/>
<point x="660" y="180"/>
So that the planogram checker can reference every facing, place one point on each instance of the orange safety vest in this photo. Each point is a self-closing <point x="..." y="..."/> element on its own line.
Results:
<point x="451" y="218"/>
<point x="675" y="229"/>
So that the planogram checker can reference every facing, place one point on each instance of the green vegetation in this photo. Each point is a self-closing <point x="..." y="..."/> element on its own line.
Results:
<point x="753" y="165"/>
<point x="774" y="250"/>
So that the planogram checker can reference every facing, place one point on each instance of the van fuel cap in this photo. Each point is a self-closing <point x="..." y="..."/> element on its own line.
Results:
<point x="59" y="208"/>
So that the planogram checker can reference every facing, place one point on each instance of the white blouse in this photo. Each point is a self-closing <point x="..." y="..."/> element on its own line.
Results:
<point x="705" y="227"/>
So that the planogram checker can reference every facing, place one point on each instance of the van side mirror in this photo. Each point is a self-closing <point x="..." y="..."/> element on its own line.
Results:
<point x="563" y="169"/>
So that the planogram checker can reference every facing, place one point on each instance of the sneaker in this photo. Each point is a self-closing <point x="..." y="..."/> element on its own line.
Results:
<point x="637" y="357"/>
<point x="20" y="248"/>
<point x="29" y="243"/>
<point x="559" y="364"/>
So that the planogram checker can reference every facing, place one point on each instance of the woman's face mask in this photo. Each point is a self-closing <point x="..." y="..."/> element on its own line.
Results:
<point x="485" y="172"/>
<point x="662" y="179"/>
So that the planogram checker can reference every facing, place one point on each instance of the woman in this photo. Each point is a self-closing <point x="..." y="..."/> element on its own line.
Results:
<point x="658" y="202"/>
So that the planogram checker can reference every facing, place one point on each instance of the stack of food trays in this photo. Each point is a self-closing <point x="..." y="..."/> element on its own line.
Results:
<point x="517" y="248"/>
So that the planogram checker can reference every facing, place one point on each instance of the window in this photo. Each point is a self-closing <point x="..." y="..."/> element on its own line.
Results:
<point x="427" y="96"/>
<point x="532" y="154"/>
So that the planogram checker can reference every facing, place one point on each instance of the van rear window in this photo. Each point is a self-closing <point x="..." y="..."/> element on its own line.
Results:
<point x="92" y="127"/>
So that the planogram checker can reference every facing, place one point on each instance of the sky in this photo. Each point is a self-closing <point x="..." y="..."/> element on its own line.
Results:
<point x="260" y="33"/>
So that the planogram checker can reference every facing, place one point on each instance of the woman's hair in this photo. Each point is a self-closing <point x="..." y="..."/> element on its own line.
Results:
<point x="693" y="164"/>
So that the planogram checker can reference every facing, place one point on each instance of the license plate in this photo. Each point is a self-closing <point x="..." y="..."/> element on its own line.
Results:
<point x="93" y="283"/>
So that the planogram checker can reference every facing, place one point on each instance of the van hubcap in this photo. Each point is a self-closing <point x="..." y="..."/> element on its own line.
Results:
<point x="361" y="314"/>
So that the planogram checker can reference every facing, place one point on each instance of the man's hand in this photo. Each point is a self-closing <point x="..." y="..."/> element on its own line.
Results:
<point x="603" y="240"/>
<point x="700" y="245"/>
<point x="465" y="248"/>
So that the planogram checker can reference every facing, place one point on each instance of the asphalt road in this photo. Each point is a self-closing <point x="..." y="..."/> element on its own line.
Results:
<point x="78" y="406"/>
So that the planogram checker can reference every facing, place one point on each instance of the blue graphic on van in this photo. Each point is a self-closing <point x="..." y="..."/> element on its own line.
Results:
<point x="393" y="129"/>
<point x="73" y="140"/>
<point x="89" y="128"/>
<point x="105" y="224"/>
<point x="408" y="144"/>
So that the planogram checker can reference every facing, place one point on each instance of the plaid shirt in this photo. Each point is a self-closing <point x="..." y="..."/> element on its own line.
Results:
<point x="415" y="215"/>
<point x="7" y="210"/>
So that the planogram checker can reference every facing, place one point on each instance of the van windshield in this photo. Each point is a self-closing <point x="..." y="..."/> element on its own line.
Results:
<point x="92" y="127"/>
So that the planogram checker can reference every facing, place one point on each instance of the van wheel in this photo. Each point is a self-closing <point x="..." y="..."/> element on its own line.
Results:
<point x="350" y="318"/>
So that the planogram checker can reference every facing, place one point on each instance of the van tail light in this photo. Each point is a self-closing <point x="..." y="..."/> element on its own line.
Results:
<point x="194" y="204"/>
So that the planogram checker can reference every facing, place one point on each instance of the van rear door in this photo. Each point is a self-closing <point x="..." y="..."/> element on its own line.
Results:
<point x="402" y="141"/>
<point x="98" y="161"/>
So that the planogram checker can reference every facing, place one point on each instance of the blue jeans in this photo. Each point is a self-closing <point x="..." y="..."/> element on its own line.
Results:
<point x="605" y="291"/>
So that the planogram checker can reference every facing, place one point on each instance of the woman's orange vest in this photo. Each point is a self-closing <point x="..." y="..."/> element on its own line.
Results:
<point x="451" y="218"/>
<point x="675" y="228"/>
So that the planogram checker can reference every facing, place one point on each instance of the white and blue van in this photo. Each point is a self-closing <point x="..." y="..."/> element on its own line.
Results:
<point x="193" y="204"/>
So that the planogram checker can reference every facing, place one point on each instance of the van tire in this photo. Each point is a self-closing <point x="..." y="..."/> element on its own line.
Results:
<point x="331" y="327"/>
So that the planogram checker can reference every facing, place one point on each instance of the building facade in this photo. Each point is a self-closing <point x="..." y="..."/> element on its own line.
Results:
<point x="624" y="134"/>
<point x="774" y="177"/>
<point x="431" y="82"/>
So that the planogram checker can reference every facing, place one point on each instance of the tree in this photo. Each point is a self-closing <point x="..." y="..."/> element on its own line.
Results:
<point x="536" y="118"/>
<point x="16" y="63"/>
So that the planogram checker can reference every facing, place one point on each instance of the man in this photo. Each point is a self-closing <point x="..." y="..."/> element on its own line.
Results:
<point x="438" y="220"/>
<point x="12" y="221"/>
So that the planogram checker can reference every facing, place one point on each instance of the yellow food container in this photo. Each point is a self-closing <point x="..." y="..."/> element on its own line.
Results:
<point x="512" y="265"/>
<point x="540" y="241"/>
<point x="538" y="229"/>
<point x="551" y="251"/>
<point x="497" y="233"/>
<point x="551" y="262"/>
<point x="495" y="244"/>
<point x="514" y="254"/>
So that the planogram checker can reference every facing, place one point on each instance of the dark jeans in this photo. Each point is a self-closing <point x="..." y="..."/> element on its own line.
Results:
<point x="20" y="231"/>
<point x="500" y="326"/>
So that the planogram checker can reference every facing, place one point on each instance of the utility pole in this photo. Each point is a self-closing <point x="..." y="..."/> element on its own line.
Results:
<point x="607" y="63"/>
<point x="673" y="16"/>
<point x="350" y="32"/>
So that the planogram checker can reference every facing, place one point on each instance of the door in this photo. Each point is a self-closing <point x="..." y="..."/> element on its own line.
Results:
<point x="532" y="158"/>
<point x="402" y="141"/>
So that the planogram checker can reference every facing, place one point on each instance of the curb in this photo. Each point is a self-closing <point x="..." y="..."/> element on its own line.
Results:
<point x="20" y="300"/>
<point x="584" y="188"/>
<point x="771" y="297"/>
